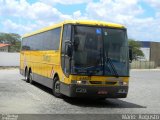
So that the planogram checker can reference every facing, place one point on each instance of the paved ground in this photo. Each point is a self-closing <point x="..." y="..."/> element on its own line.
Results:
<point x="17" y="96"/>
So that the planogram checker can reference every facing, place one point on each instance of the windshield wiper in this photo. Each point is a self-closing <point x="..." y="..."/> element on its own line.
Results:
<point x="88" y="70"/>
<point x="112" y="66"/>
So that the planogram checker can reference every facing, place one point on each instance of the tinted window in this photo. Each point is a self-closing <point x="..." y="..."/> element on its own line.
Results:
<point x="44" y="41"/>
<point x="51" y="39"/>
<point x="25" y="46"/>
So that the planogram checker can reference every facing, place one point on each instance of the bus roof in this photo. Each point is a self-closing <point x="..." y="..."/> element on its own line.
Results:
<point x="77" y="22"/>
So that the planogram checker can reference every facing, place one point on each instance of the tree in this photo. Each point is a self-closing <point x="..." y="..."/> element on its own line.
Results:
<point x="13" y="39"/>
<point x="137" y="52"/>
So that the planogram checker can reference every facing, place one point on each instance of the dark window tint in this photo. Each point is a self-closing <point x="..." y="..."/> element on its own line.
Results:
<point x="24" y="44"/>
<point x="43" y="41"/>
<point x="51" y="39"/>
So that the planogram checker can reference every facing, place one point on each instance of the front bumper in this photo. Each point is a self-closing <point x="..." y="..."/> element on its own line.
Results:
<point x="74" y="90"/>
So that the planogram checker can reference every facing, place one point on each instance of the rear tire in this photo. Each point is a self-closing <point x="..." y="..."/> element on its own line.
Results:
<point x="31" y="78"/>
<point x="56" y="88"/>
<point x="26" y="75"/>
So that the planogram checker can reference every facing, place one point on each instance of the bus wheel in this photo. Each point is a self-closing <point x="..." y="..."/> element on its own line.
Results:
<point x="26" y="75"/>
<point x="56" y="88"/>
<point x="31" y="78"/>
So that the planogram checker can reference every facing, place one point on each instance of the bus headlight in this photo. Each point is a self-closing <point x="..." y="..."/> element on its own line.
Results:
<point x="122" y="83"/>
<point x="125" y="83"/>
<point x="79" y="82"/>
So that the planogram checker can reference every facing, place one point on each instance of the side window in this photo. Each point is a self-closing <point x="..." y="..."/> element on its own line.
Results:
<point x="43" y="41"/>
<point x="51" y="39"/>
<point x="56" y="38"/>
<point x="28" y="43"/>
<point x="31" y="43"/>
<point x="25" y="45"/>
<point x="47" y="40"/>
<point x="38" y="41"/>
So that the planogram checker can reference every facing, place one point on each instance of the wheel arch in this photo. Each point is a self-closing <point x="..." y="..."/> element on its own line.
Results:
<point x="56" y="75"/>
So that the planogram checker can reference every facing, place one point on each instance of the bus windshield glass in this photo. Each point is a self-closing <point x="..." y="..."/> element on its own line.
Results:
<point x="99" y="51"/>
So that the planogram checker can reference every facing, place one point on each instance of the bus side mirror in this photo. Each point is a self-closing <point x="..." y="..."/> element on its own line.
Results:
<point x="130" y="54"/>
<point x="68" y="48"/>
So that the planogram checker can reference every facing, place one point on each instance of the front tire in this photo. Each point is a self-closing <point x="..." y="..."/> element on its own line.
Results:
<point x="56" y="88"/>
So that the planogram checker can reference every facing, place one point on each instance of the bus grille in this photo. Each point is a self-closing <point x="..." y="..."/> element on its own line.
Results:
<point x="95" y="82"/>
<point x="100" y="82"/>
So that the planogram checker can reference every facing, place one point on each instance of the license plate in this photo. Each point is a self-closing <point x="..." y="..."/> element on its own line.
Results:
<point x="102" y="92"/>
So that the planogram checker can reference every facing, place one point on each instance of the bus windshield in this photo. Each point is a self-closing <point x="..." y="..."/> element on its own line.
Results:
<point x="99" y="51"/>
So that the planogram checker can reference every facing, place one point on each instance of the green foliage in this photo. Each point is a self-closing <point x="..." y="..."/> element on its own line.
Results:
<point x="13" y="39"/>
<point x="137" y="53"/>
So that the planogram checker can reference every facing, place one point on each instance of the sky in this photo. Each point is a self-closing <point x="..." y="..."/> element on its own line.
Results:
<point x="141" y="17"/>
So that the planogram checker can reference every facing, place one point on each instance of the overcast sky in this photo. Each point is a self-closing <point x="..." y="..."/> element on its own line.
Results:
<point x="141" y="17"/>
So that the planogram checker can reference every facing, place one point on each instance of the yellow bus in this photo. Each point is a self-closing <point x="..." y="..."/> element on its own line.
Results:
<point x="78" y="58"/>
